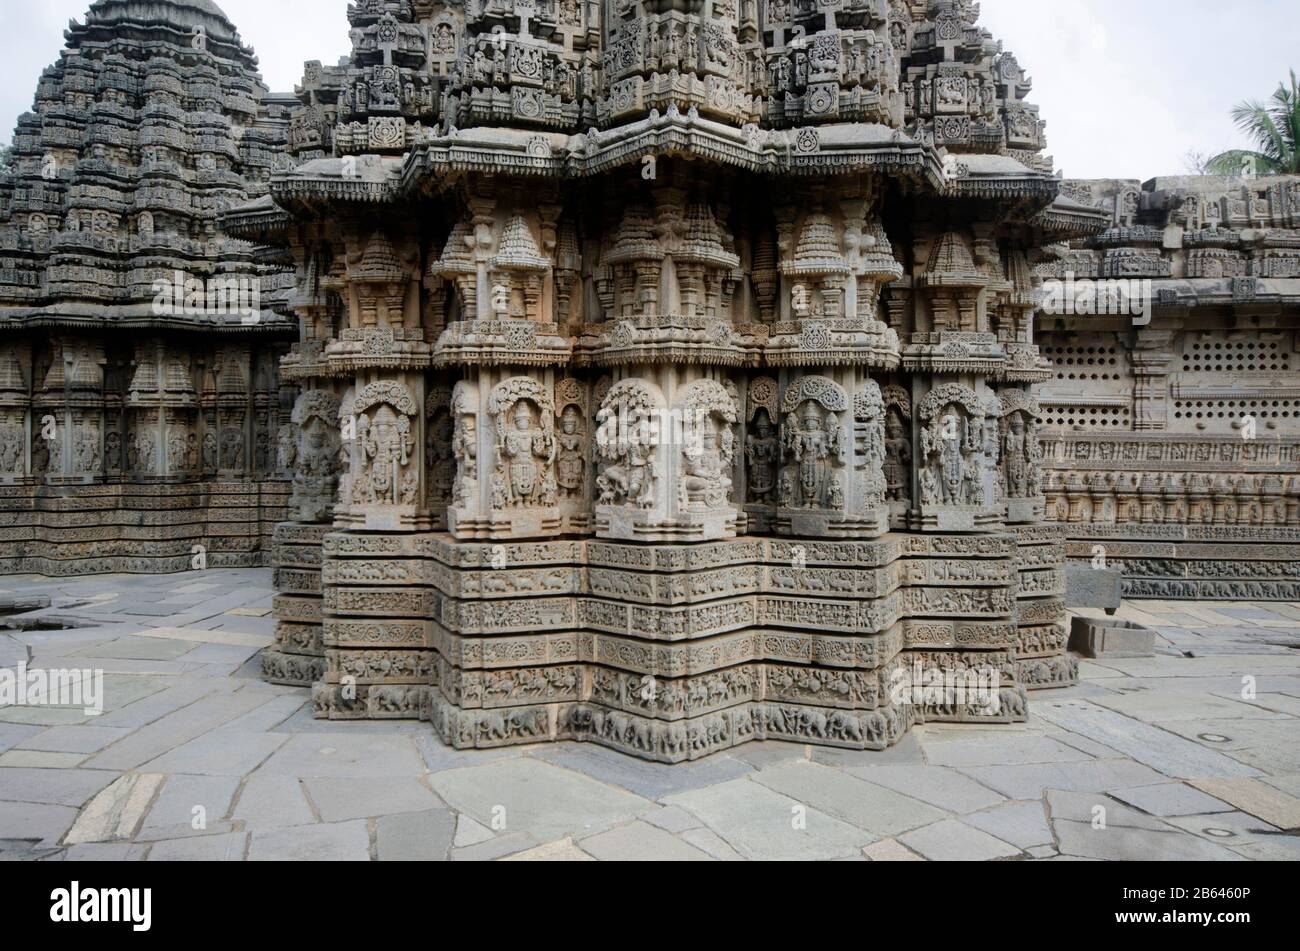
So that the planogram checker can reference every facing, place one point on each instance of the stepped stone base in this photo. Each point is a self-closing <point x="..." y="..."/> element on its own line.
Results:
<point x="1196" y="562"/>
<point x="137" y="528"/>
<point x="667" y="652"/>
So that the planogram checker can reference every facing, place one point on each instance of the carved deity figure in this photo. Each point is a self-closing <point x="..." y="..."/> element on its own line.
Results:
<point x="627" y="442"/>
<point x="898" y="460"/>
<point x="706" y="475"/>
<point x="816" y="445"/>
<point x="1017" y="459"/>
<point x="386" y="446"/>
<point x="464" y="446"/>
<point x="761" y="451"/>
<point x="12" y="438"/>
<point x="527" y="453"/>
<point x="571" y="465"/>
<point x="441" y="459"/>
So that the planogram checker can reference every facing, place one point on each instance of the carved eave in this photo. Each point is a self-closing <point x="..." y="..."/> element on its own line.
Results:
<point x="140" y="317"/>
<point x="363" y="179"/>
<point x="262" y="221"/>
<point x="1001" y="178"/>
<point x="698" y="341"/>
<point x="1068" y="220"/>
<point x="1138" y="236"/>
<point x="823" y="150"/>
<point x="502" y="343"/>
<point x="814" y="343"/>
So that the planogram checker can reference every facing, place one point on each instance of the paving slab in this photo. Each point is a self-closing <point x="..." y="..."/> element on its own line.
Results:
<point x="85" y="738"/>
<point x="39" y="759"/>
<point x="527" y="795"/>
<point x="1170" y="754"/>
<point x="649" y="780"/>
<point x="63" y="787"/>
<point x="270" y="801"/>
<point x="469" y="832"/>
<point x="1029" y="782"/>
<point x="1022" y="824"/>
<point x="415" y="836"/>
<point x="562" y="850"/>
<point x="1271" y="758"/>
<point x="673" y="819"/>
<point x="875" y="809"/>
<point x="940" y="786"/>
<point x="709" y="842"/>
<point x="43" y="822"/>
<point x="1006" y="750"/>
<point x="15" y="734"/>
<point x="1289" y="783"/>
<point x="1227" y="828"/>
<point x="345" y="755"/>
<point x="1259" y="799"/>
<point x="1170" y="799"/>
<point x="190" y="801"/>
<point x="218" y="754"/>
<point x="116" y="812"/>
<point x="952" y="840"/>
<point x="1098" y="809"/>
<point x="640" y="842"/>
<point x="890" y="850"/>
<point x="337" y="798"/>
<point x="335" y="842"/>
<point x="229" y="847"/>
<point x="1121" y="844"/>
<point x="762" y="824"/>
<point x="135" y="648"/>
<point x="101" y="852"/>
<point x="1150" y="706"/>
<point x="497" y="847"/>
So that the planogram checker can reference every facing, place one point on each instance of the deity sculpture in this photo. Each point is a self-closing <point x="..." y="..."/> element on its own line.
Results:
<point x="816" y="445"/>
<point x="527" y="453"/>
<point x="386" y="445"/>
<point x="898" y="460"/>
<point x="761" y="451"/>
<point x="571" y="464"/>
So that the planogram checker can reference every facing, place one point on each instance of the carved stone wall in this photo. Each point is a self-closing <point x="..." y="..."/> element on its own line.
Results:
<point x="1172" y="436"/>
<point x="661" y="375"/>
<point x="141" y="413"/>
<point x="682" y="360"/>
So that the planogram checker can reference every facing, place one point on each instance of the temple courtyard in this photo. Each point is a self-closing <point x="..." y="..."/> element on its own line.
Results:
<point x="1193" y="754"/>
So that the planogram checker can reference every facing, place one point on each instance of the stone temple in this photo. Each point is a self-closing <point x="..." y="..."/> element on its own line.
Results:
<point x="664" y="375"/>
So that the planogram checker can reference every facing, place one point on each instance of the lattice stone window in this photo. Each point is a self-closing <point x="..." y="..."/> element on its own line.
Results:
<point x="1236" y="356"/>
<point x="1088" y="417"/>
<point x="1205" y="410"/>
<point x="1087" y="363"/>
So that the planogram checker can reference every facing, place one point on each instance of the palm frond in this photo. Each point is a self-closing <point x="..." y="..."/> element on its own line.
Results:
<point x="1254" y="121"/>
<point x="1236" y="161"/>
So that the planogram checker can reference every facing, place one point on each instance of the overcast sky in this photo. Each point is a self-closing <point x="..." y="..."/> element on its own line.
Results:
<point x="1128" y="87"/>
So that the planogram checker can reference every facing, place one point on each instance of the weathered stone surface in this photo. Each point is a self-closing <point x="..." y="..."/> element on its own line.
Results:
<point x="550" y="436"/>
<point x="954" y="841"/>
<point x="1090" y="587"/>
<point x="335" y="842"/>
<point x="1257" y="798"/>
<point x="414" y="836"/>
<point x="1096" y="638"/>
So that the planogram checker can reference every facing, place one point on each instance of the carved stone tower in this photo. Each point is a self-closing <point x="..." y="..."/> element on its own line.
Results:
<point x="668" y="373"/>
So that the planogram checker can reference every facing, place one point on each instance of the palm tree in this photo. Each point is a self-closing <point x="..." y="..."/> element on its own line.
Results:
<point x="1275" y="127"/>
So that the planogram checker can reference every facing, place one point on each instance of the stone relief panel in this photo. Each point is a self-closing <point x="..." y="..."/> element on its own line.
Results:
<point x="315" y="462"/>
<point x="385" y="467"/>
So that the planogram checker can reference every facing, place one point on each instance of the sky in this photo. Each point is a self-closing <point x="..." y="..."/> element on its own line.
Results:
<point x="1128" y="87"/>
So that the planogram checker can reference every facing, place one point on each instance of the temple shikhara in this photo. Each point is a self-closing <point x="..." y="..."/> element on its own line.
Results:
<point x="664" y="374"/>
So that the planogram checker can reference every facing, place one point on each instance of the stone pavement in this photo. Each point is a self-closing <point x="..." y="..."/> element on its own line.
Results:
<point x="1194" y="754"/>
